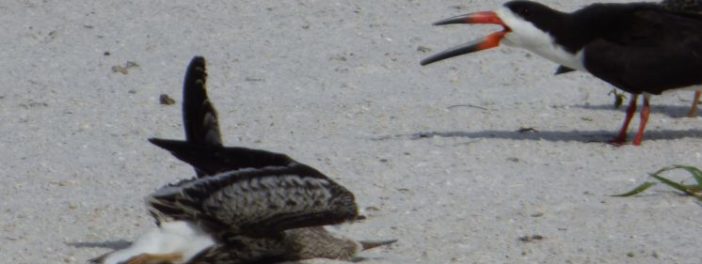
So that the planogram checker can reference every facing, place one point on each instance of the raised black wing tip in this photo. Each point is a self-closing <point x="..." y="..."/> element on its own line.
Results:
<point x="199" y="114"/>
<point x="367" y="244"/>
<point x="197" y="59"/>
<point x="212" y="159"/>
<point x="155" y="140"/>
<point x="563" y="69"/>
<point x="167" y="144"/>
<point x="99" y="259"/>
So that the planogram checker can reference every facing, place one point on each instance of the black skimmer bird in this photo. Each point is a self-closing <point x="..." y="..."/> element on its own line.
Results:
<point x="641" y="48"/>
<point x="244" y="206"/>
<point x="687" y="6"/>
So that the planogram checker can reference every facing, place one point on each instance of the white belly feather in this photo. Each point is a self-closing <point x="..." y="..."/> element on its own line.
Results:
<point x="171" y="237"/>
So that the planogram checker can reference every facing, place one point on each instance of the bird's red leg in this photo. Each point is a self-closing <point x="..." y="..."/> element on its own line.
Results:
<point x="630" y="110"/>
<point x="693" y="108"/>
<point x="645" y="110"/>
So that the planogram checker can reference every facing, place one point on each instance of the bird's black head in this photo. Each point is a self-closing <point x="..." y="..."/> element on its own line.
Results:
<point x="543" y="17"/>
<point x="528" y="9"/>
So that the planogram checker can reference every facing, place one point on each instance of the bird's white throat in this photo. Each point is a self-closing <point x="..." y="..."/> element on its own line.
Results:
<point x="180" y="237"/>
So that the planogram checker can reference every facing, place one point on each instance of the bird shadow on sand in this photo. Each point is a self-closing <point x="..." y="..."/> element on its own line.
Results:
<point x="114" y="245"/>
<point x="674" y="111"/>
<point x="600" y="136"/>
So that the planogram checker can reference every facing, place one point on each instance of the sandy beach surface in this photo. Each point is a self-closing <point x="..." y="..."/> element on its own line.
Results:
<point x="486" y="158"/>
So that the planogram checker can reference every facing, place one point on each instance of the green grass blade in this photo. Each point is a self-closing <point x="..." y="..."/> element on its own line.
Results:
<point x="673" y="184"/>
<point x="664" y="169"/>
<point x="696" y="173"/>
<point x="644" y="186"/>
<point x="694" y="190"/>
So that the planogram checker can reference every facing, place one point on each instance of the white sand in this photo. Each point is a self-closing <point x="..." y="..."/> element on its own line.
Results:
<point x="336" y="85"/>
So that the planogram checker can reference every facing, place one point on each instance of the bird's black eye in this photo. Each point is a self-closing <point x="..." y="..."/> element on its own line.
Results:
<point x="524" y="12"/>
<point x="524" y="9"/>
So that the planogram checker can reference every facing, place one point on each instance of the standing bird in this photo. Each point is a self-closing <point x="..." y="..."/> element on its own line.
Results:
<point x="687" y="6"/>
<point x="244" y="206"/>
<point x="641" y="48"/>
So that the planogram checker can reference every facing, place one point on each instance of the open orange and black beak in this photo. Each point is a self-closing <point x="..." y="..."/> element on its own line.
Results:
<point x="491" y="41"/>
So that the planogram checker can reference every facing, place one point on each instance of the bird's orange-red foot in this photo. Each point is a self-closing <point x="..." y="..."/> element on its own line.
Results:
<point x="630" y="110"/>
<point x="645" y="111"/>
<point x="156" y="258"/>
<point x="617" y="141"/>
<point x="693" y="108"/>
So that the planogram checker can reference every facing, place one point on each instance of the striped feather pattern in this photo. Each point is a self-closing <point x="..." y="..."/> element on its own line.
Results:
<point x="257" y="202"/>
